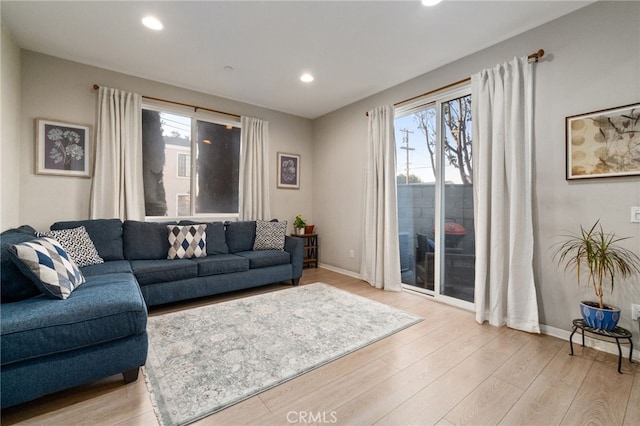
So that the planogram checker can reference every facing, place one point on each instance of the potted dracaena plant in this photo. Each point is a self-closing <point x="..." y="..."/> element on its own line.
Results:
<point x="598" y="254"/>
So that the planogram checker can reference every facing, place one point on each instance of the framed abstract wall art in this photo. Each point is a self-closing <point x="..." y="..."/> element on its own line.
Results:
<point x="62" y="149"/>
<point x="288" y="171"/>
<point x="603" y="143"/>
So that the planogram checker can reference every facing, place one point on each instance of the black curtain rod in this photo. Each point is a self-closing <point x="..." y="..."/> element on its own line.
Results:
<point x="195" y="107"/>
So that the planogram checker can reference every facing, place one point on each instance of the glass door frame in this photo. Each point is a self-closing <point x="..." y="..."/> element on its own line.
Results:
<point x="437" y="100"/>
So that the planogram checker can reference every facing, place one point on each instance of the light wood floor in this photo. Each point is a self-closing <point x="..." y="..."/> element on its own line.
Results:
<point x="446" y="370"/>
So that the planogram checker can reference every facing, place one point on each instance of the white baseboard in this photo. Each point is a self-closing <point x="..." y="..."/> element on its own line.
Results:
<point x="601" y="345"/>
<point x="340" y="271"/>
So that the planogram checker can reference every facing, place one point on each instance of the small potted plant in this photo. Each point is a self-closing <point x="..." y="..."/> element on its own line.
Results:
<point x="600" y="255"/>
<point x="299" y="223"/>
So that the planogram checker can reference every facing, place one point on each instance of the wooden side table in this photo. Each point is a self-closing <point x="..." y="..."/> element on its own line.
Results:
<point x="310" y="249"/>
<point x="617" y="334"/>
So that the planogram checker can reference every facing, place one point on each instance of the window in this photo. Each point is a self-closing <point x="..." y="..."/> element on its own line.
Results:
<point x="184" y="165"/>
<point x="185" y="154"/>
<point x="183" y="204"/>
<point x="435" y="196"/>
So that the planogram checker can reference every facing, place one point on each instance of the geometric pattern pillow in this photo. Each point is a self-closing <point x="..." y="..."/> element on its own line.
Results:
<point x="48" y="265"/>
<point x="270" y="235"/>
<point x="187" y="241"/>
<point x="77" y="243"/>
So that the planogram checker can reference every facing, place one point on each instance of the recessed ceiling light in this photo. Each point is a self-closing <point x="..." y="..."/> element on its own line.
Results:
<point x="152" y="23"/>
<point x="430" y="2"/>
<point x="306" y="77"/>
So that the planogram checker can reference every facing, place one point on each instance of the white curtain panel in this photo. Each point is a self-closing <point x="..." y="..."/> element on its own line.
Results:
<point x="380" y="250"/>
<point x="117" y="189"/>
<point x="254" y="201"/>
<point x="505" y="290"/>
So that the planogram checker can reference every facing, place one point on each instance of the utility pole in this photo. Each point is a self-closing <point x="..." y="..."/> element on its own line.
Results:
<point x="405" y="141"/>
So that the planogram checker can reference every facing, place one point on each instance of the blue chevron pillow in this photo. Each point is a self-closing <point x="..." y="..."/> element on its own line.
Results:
<point x="46" y="263"/>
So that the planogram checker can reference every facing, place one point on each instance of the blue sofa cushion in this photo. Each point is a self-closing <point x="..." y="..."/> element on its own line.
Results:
<point x="48" y="265"/>
<point x="106" y="235"/>
<point x="104" y="309"/>
<point x="146" y="240"/>
<point x="216" y="239"/>
<point x="240" y="235"/>
<point x="221" y="264"/>
<point x="113" y="267"/>
<point x="158" y="271"/>
<point x="264" y="258"/>
<point x="14" y="285"/>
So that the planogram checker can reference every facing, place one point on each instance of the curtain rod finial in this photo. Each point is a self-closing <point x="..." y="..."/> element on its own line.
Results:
<point x="536" y="56"/>
<point x="96" y="87"/>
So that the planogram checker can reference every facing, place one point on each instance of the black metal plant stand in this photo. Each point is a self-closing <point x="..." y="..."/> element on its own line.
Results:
<point x="617" y="334"/>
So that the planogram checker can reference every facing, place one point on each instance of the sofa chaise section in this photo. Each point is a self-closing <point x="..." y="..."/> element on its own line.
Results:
<point x="48" y="345"/>
<point x="100" y="329"/>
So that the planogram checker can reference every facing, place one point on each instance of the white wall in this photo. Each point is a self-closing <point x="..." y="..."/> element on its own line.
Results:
<point x="592" y="62"/>
<point x="58" y="89"/>
<point x="10" y="133"/>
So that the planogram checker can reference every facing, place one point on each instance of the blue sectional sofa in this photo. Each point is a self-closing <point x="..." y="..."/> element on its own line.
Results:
<point x="100" y="330"/>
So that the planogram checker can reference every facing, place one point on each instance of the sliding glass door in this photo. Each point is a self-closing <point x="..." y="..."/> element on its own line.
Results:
<point x="435" y="196"/>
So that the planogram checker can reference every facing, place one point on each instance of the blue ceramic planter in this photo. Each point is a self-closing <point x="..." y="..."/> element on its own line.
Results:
<point x="602" y="319"/>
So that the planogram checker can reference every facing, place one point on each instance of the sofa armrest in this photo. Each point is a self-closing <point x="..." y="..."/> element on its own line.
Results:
<point x="295" y="247"/>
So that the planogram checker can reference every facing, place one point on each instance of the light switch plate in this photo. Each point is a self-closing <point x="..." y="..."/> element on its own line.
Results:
<point x="635" y="214"/>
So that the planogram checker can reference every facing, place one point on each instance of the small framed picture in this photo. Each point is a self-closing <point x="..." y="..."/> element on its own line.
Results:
<point x="603" y="143"/>
<point x="62" y="149"/>
<point x="288" y="171"/>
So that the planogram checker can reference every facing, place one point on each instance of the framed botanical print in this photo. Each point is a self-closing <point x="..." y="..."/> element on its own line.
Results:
<point x="288" y="171"/>
<point x="603" y="143"/>
<point x="62" y="149"/>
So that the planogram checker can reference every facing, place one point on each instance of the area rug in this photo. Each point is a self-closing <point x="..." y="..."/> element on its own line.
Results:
<point x="205" y="359"/>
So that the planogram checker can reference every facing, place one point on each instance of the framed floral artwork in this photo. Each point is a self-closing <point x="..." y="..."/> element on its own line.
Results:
<point x="288" y="171"/>
<point x="62" y="149"/>
<point x="603" y="143"/>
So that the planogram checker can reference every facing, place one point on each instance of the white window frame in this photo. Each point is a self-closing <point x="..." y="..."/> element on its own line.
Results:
<point x="200" y="115"/>
<point x="187" y="154"/>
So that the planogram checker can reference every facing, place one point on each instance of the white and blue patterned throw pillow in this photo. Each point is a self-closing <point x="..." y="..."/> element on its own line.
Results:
<point x="187" y="241"/>
<point x="46" y="263"/>
<point x="270" y="235"/>
<point x="77" y="243"/>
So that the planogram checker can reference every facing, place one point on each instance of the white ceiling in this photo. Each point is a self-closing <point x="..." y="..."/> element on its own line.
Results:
<point x="354" y="48"/>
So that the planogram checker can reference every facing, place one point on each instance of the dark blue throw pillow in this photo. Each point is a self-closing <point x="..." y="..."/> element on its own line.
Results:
<point x="14" y="285"/>
<point x="146" y="240"/>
